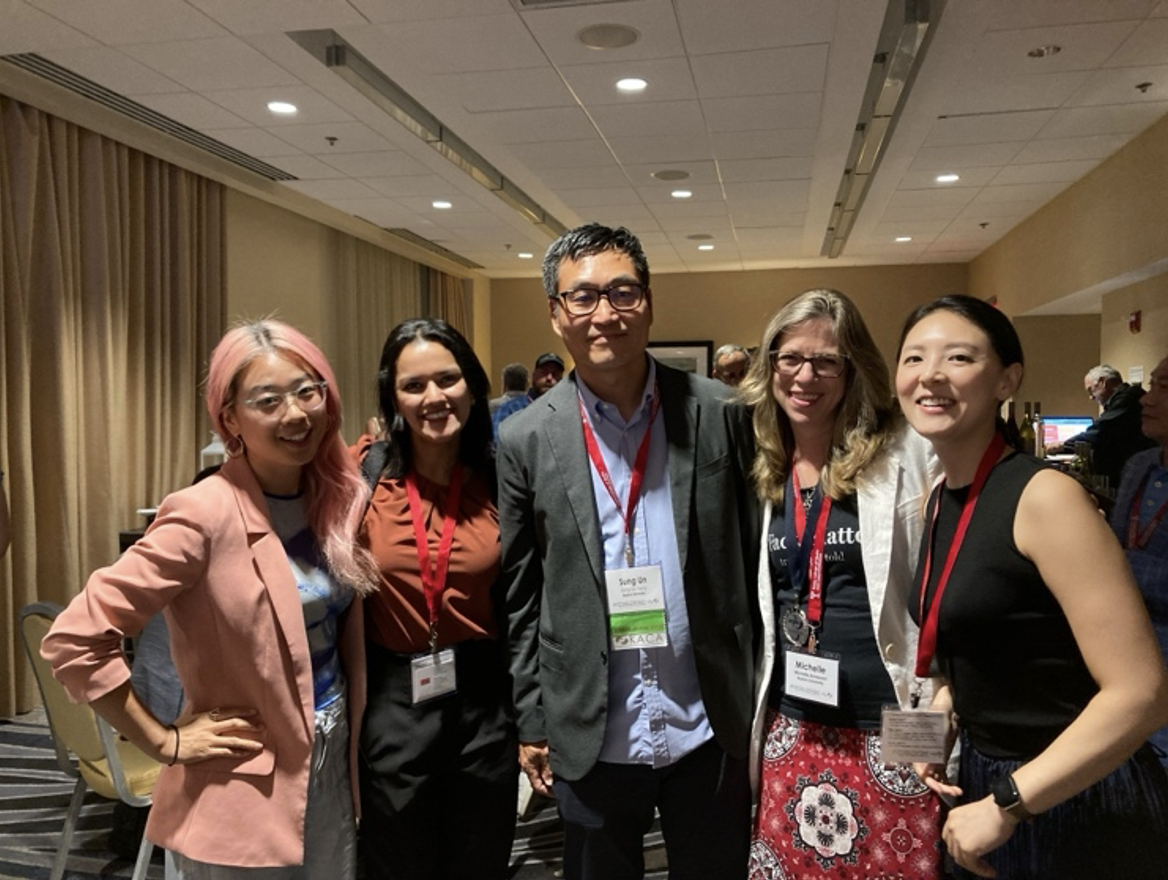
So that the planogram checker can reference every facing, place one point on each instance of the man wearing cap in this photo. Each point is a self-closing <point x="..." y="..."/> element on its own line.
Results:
<point x="549" y="370"/>
<point x="627" y="528"/>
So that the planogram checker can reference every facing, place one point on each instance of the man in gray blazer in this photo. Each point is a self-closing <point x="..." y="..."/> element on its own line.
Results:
<point x="628" y="528"/>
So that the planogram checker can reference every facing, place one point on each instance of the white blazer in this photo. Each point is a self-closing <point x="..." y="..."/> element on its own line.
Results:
<point x="892" y="492"/>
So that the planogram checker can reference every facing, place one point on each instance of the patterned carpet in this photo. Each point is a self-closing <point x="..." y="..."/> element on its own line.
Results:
<point x="34" y="795"/>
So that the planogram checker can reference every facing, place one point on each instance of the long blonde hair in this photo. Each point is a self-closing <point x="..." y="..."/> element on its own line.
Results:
<point x="866" y="418"/>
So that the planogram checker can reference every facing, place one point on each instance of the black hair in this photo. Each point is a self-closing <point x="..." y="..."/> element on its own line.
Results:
<point x="990" y="320"/>
<point x="475" y="450"/>
<point x="584" y="241"/>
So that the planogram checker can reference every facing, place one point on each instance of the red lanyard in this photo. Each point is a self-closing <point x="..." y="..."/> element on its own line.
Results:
<point x="434" y="575"/>
<point x="815" y="562"/>
<point x="1138" y="538"/>
<point x="639" y="465"/>
<point x="927" y="646"/>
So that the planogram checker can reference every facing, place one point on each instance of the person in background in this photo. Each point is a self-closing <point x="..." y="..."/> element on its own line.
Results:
<point x="1115" y="436"/>
<point x="258" y="573"/>
<point x="1050" y="666"/>
<point x="439" y="781"/>
<point x="514" y="386"/>
<point x="1138" y="518"/>
<point x="839" y="471"/>
<point x="549" y="370"/>
<point x="730" y="364"/>
<point x="627" y="525"/>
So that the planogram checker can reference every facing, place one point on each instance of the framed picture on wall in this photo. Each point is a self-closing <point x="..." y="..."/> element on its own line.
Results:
<point x="694" y="356"/>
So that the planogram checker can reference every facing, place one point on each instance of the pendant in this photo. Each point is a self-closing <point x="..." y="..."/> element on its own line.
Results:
<point x="796" y="629"/>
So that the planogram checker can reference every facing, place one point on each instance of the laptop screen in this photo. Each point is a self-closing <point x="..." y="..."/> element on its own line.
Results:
<point x="1060" y="429"/>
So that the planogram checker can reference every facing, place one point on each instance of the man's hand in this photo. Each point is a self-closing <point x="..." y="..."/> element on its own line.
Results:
<point x="533" y="758"/>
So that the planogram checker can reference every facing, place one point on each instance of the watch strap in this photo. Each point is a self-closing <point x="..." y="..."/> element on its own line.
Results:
<point x="1009" y="799"/>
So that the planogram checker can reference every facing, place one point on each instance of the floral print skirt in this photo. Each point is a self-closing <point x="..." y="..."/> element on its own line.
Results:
<point x="829" y="808"/>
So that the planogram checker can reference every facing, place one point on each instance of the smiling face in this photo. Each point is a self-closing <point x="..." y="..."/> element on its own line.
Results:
<point x="607" y="341"/>
<point x="431" y="393"/>
<point x="278" y="444"/>
<point x="810" y="402"/>
<point x="950" y="382"/>
<point x="1155" y="405"/>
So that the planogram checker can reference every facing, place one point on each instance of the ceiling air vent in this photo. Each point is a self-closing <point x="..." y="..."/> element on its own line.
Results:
<point x="66" y="78"/>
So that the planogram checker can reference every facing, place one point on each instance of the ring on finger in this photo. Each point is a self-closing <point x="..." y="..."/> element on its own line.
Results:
<point x="214" y="713"/>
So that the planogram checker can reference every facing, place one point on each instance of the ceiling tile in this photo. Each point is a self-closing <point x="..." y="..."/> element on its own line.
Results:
<point x="113" y="69"/>
<point x="800" y="110"/>
<point x="746" y="170"/>
<point x="254" y="141"/>
<point x="252" y="105"/>
<point x="660" y="192"/>
<point x="345" y="188"/>
<point x="582" y="178"/>
<point x="663" y="151"/>
<point x="773" y="144"/>
<point x="669" y="79"/>
<point x="305" y="167"/>
<point x="491" y="90"/>
<point x="1145" y="47"/>
<point x="1021" y="192"/>
<point x="1085" y="121"/>
<point x="563" y="154"/>
<point x="258" y="16"/>
<point x="648" y="119"/>
<point x="219" y="63"/>
<point x="1004" y="53"/>
<point x="914" y="198"/>
<point x="894" y="213"/>
<point x="383" y="163"/>
<point x="120" y="22"/>
<point x="1046" y="172"/>
<point x="700" y="173"/>
<point x="191" y="110"/>
<point x="1070" y="149"/>
<point x="762" y="72"/>
<point x="988" y="93"/>
<point x="429" y="185"/>
<point x="955" y="158"/>
<point x="351" y="137"/>
<point x="533" y="126"/>
<point x="987" y="128"/>
<point x="928" y="179"/>
<point x="1118" y="86"/>
<point x="460" y="45"/>
<point x="556" y="29"/>
<point x="596" y="196"/>
<point x="28" y="29"/>
<point x="756" y="24"/>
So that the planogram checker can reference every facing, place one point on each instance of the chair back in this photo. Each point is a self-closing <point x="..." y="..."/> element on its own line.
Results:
<point x="111" y="766"/>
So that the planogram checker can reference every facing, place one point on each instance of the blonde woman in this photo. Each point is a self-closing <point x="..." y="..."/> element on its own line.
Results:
<point x="843" y="482"/>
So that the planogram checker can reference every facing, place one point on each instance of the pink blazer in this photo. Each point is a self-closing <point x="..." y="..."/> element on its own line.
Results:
<point x="213" y="565"/>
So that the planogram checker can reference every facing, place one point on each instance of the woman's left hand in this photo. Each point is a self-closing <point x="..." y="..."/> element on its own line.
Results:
<point x="972" y="830"/>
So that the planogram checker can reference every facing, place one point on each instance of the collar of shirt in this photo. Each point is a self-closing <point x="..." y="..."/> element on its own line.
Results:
<point x="599" y="411"/>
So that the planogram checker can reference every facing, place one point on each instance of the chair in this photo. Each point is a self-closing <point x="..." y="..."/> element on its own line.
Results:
<point x="110" y="765"/>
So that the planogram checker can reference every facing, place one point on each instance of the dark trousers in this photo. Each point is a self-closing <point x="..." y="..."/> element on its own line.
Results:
<point x="439" y="781"/>
<point x="704" y="804"/>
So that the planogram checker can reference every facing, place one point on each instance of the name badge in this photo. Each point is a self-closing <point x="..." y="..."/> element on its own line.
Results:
<point x="636" y="608"/>
<point x="432" y="675"/>
<point x="913" y="737"/>
<point x="813" y="677"/>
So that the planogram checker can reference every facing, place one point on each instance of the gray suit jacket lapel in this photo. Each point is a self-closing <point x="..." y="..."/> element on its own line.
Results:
<point x="565" y="440"/>
<point x="680" y="411"/>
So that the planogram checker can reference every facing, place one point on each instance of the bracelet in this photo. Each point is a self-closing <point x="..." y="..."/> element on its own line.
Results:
<point x="174" y="758"/>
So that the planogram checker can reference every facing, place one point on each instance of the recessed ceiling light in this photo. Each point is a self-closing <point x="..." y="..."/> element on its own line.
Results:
<point x="671" y="174"/>
<point x="282" y="107"/>
<point x="608" y="36"/>
<point x="948" y="178"/>
<point x="903" y="238"/>
<point x="700" y="236"/>
<point x="632" y="84"/>
<point x="524" y="255"/>
<point x="681" y="193"/>
<point x="1045" y="51"/>
<point x="705" y="247"/>
<point x="442" y="205"/>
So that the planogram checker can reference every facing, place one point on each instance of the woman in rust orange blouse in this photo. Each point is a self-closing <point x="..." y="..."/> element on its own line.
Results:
<point x="438" y="767"/>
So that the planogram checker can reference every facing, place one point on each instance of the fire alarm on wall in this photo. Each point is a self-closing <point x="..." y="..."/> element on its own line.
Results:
<point x="1133" y="321"/>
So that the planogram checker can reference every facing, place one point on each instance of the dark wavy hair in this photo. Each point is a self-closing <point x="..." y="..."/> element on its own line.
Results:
<point x="475" y="450"/>
<point x="584" y="241"/>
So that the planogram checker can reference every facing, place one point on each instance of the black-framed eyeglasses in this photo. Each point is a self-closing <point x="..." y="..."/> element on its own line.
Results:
<point x="826" y="366"/>
<point x="309" y="396"/>
<point x="623" y="297"/>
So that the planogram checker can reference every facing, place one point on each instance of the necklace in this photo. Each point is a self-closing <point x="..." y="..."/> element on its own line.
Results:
<point x="807" y="496"/>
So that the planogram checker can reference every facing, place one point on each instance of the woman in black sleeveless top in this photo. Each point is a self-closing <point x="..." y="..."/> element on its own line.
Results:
<point x="1052" y="671"/>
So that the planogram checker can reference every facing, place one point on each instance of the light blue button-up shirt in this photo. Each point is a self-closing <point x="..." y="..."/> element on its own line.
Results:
<point x="655" y="710"/>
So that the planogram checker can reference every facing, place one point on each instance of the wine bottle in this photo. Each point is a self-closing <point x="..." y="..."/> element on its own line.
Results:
<point x="1026" y="430"/>
<point x="1039" y="431"/>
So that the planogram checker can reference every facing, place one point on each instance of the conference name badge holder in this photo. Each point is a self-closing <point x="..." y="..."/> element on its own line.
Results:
<point x="809" y="673"/>
<point x="920" y="736"/>
<point x="636" y="607"/>
<point x="432" y="672"/>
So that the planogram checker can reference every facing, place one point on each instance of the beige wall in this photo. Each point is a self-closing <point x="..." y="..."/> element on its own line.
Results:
<point x="1119" y="346"/>
<point x="728" y="306"/>
<point x="1108" y="225"/>
<point x="1059" y="352"/>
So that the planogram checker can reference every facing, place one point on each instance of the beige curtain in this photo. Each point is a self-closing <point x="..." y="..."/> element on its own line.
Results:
<point x="375" y="290"/>
<point x="448" y="301"/>
<point x="111" y="297"/>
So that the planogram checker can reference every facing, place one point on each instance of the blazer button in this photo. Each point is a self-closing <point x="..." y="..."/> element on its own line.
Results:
<point x="603" y="659"/>
<point x="889" y="650"/>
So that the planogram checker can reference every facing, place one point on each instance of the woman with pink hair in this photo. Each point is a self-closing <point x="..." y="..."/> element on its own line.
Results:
<point x="258" y="575"/>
